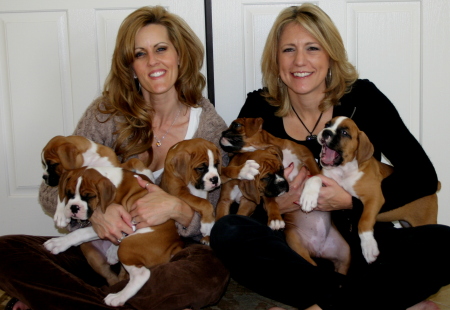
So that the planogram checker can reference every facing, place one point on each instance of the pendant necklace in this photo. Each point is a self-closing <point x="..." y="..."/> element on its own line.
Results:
<point x="310" y="136"/>
<point x="159" y="141"/>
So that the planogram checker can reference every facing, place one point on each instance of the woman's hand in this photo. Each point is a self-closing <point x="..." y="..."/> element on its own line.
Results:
<point x="157" y="207"/>
<point x="112" y="223"/>
<point x="288" y="202"/>
<point x="332" y="196"/>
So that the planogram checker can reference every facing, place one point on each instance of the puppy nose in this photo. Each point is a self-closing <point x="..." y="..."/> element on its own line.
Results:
<point x="326" y="134"/>
<point x="214" y="180"/>
<point x="74" y="208"/>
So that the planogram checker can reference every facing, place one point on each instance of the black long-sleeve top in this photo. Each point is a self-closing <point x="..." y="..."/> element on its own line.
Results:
<point x="414" y="175"/>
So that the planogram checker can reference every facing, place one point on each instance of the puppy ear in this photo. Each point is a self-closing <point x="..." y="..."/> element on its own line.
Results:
<point x="365" y="148"/>
<point x="249" y="190"/>
<point x="180" y="164"/>
<point x="255" y="125"/>
<point x="70" y="156"/>
<point x="65" y="177"/>
<point x="106" y="192"/>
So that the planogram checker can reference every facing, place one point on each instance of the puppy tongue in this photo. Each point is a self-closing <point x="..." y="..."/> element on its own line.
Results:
<point x="327" y="155"/>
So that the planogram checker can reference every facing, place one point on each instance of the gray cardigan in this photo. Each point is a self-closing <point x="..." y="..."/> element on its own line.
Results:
<point x="92" y="125"/>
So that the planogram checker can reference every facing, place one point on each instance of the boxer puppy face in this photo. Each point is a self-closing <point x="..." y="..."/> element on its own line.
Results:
<point x="342" y="142"/>
<point x="271" y="176"/>
<point x="198" y="164"/>
<point x="241" y="134"/>
<point x="270" y="182"/>
<point x="83" y="190"/>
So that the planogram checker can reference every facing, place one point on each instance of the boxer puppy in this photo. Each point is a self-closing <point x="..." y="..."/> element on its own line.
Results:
<point x="309" y="234"/>
<point x="66" y="153"/>
<point x="347" y="158"/>
<point x="268" y="184"/>
<point x="72" y="152"/>
<point x="247" y="135"/>
<point x="191" y="170"/>
<point x="85" y="189"/>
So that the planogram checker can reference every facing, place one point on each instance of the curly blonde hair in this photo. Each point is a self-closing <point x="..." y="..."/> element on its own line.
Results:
<point x="318" y="23"/>
<point x="121" y="92"/>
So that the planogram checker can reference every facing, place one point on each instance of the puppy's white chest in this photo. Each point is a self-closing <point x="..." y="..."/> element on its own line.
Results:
<point x="346" y="176"/>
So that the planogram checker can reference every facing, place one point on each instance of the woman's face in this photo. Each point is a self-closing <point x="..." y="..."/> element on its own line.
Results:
<point x="303" y="62"/>
<point x="155" y="60"/>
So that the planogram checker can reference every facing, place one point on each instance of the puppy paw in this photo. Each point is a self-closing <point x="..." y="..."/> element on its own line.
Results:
<point x="60" y="219"/>
<point x="369" y="246"/>
<point x="205" y="240"/>
<point x="114" y="300"/>
<point x="56" y="245"/>
<point x="205" y="228"/>
<point x="249" y="170"/>
<point x="310" y="194"/>
<point x="277" y="224"/>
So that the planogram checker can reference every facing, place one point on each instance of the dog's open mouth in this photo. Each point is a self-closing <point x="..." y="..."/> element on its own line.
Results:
<point x="329" y="157"/>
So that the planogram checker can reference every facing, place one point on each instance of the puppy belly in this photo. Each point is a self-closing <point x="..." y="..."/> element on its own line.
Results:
<point x="313" y="228"/>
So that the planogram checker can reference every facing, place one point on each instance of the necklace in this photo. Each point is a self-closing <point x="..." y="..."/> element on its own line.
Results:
<point x="310" y="136"/>
<point x="159" y="141"/>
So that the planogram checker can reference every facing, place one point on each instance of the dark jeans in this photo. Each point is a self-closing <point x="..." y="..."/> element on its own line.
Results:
<point x="414" y="263"/>
<point x="194" y="278"/>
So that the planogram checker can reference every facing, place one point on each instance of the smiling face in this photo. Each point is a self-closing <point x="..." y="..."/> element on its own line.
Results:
<point x="303" y="62"/>
<point x="155" y="60"/>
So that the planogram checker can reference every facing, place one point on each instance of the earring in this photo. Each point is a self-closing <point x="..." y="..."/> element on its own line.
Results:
<point x="137" y="84"/>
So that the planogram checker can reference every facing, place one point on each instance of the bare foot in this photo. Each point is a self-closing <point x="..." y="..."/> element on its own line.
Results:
<point x="424" y="305"/>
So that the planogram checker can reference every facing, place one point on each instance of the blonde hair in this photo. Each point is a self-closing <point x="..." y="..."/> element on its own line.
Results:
<point x="124" y="99"/>
<point x="318" y="23"/>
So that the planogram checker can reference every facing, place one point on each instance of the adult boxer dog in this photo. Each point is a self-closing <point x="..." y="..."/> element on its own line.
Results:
<point x="268" y="184"/>
<point x="309" y="234"/>
<point x="347" y="157"/>
<point x="85" y="189"/>
<point x="67" y="153"/>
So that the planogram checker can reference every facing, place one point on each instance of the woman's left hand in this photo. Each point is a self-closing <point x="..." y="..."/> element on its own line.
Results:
<point x="157" y="207"/>
<point x="332" y="196"/>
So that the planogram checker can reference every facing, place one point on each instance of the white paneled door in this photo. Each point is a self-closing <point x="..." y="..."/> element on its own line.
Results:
<point x="402" y="46"/>
<point x="54" y="58"/>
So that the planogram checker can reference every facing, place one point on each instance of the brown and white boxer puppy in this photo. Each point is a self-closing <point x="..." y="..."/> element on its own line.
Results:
<point x="247" y="135"/>
<point x="85" y="189"/>
<point x="66" y="153"/>
<point x="309" y="234"/>
<point x="191" y="170"/>
<point x="347" y="157"/>
<point x="268" y="184"/>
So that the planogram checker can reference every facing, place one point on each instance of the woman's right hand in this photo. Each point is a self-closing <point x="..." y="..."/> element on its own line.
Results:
<point x="288" y="202"/>
<point x="112" y="223"/>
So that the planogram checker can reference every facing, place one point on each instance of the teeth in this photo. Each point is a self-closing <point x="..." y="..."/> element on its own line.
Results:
<point x="301" y="74"/>
<point x="158" y="73"/>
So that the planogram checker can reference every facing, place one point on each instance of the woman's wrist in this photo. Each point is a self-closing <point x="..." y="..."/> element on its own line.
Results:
<point x="183" y="213"/>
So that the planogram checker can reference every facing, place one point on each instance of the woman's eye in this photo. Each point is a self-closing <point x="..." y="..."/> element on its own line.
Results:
<point x="287" y="50"/>
<point x="139" y="54"/>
